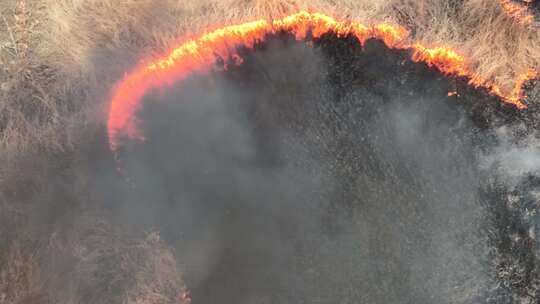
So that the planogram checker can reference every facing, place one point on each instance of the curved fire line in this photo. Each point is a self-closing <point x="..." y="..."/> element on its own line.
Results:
<point x="199" y="54"/>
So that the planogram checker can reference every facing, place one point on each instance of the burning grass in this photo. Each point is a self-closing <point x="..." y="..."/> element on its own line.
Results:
<point x="58" y="62"/>
<point x="519" y="11"/>
<point x="328" y="112"/>
<point x="55" y="52"/>
<point x="198" y="55"/>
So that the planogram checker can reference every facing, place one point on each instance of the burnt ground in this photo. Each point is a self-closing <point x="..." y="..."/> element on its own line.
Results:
<point x="327" y="172"/>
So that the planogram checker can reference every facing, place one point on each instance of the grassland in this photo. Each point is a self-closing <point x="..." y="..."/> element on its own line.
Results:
<point x="58" y="62"/>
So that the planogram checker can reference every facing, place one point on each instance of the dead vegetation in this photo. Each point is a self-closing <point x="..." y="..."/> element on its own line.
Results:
<point x="59" y="58"/>
<point x="58" y="61"/>
<point x="97" y="263"/>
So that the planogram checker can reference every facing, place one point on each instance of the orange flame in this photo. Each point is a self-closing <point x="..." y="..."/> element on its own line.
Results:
<point x="517" y="11"/>
<point x="199" y="54"/>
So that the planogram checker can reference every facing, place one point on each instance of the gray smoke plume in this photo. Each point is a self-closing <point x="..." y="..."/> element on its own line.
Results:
<point x="323" y="174"/>
<point x="514" y="160"/>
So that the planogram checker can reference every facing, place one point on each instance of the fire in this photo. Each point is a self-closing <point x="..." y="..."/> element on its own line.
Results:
<point x="517" y="92"/>
<point x="199" y="54"/>
<point x="517" y="11"/>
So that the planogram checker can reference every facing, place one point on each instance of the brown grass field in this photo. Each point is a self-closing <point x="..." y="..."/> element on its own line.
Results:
<point x="58" y="62"/>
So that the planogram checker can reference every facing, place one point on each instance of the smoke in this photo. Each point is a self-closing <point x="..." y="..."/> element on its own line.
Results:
<point x="235" y="197"/>
<point x="513" y="159"/>
<point x="321" y="174"/>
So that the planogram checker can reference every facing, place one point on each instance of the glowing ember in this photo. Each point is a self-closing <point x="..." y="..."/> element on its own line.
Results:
<point x="199" y="54"/>
<point x="517" y="11"/>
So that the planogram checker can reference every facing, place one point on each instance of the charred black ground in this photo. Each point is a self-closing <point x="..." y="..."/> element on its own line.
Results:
<point x="327" y="172"/>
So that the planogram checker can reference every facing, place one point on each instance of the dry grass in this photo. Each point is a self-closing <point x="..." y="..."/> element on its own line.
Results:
<point x="98" y="263"/>
<point x="59" y="59"/>
<point x="499" y="47"/>
<point x="20" y="278"/>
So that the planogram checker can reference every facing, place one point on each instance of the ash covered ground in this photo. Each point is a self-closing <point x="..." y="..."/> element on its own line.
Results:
<point x="324" y="172"/>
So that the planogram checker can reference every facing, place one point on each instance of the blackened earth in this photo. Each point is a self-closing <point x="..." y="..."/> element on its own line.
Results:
<point x="327" y="172"/>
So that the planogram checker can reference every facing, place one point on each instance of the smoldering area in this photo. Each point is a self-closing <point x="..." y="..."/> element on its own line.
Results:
<point x="327" y="172"/>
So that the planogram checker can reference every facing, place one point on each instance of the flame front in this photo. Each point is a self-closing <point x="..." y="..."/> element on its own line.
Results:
<point x="199" y="54"/>
<point x="517" y="11"/>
